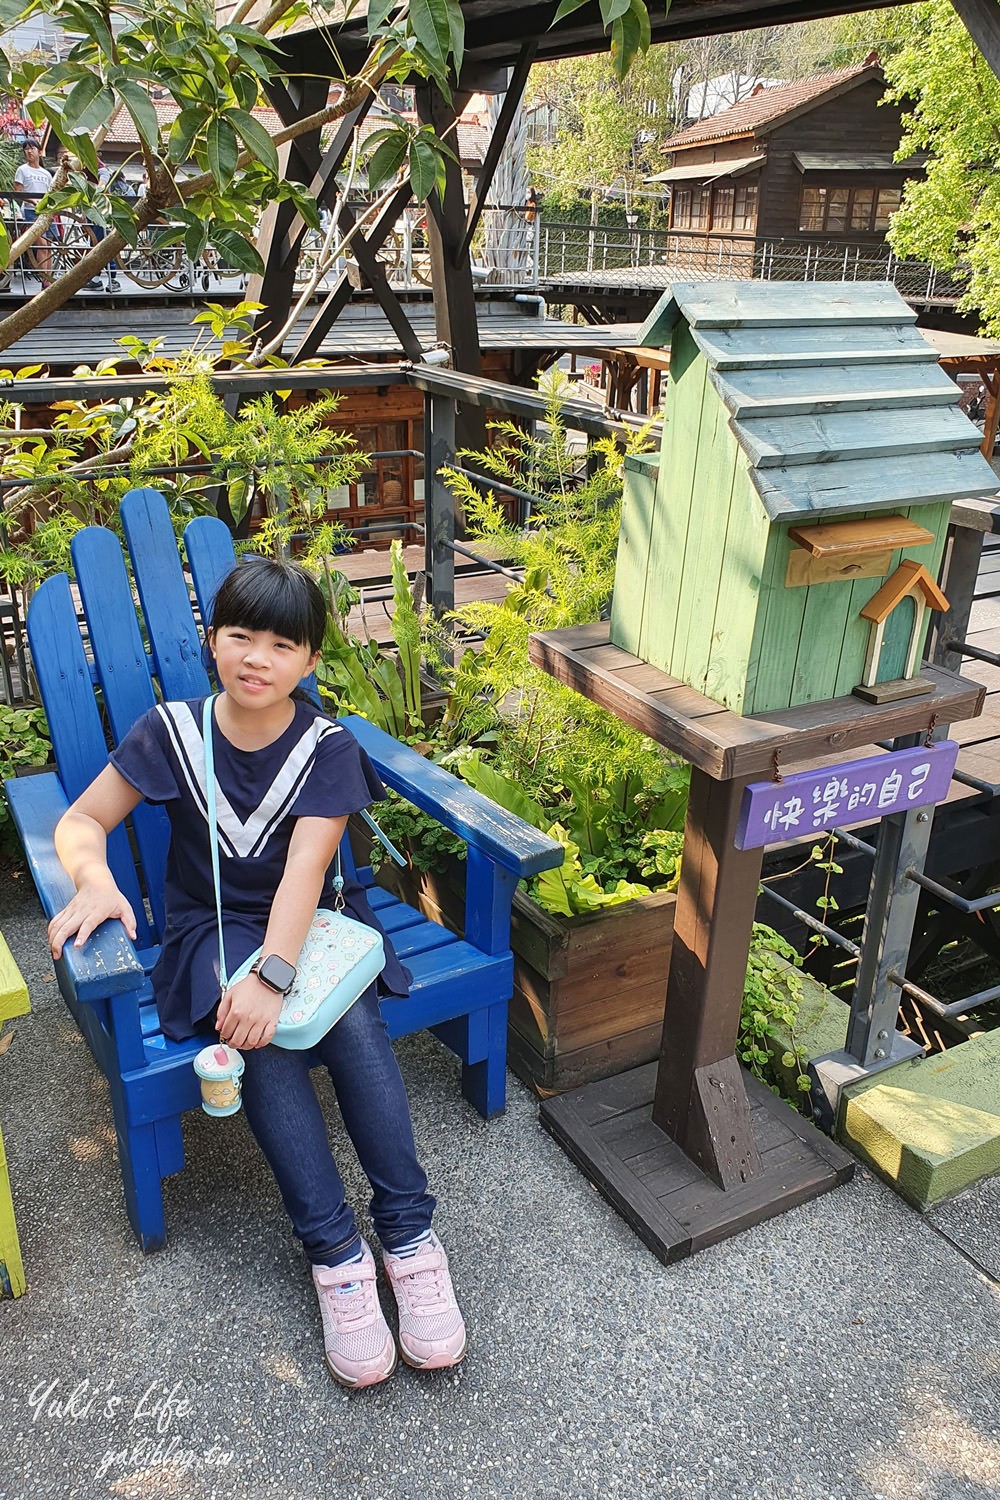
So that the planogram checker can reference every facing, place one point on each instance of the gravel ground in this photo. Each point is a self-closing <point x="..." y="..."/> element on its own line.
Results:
<point x="844" y="1350"/>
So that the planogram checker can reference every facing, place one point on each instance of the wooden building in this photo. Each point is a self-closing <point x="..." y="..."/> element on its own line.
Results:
<point x="796" y="164"/>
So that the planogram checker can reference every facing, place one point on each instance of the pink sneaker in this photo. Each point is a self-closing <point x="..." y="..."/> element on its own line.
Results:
<point x="359" y="1347"/>
<point x="431" y="1328"/>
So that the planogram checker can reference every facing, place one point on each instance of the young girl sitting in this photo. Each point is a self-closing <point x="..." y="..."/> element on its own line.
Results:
<point x="287" y="778"/>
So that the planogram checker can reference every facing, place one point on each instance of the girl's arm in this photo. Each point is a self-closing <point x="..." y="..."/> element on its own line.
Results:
<point x="248" y="1013"/>
<point x="81" y="840"/>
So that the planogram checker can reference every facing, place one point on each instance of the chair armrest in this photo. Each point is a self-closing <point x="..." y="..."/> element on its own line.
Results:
<point x="502" y="836"/>
<point x="107" y="963"/>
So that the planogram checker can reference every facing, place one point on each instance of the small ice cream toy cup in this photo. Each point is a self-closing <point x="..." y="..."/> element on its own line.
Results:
<point x="220" y="1069"/>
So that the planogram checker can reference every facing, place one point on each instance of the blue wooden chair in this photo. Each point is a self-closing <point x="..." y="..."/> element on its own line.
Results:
<point x="461" y="985"/>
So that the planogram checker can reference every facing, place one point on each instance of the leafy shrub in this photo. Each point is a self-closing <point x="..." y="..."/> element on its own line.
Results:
<point x="24" y="741"/>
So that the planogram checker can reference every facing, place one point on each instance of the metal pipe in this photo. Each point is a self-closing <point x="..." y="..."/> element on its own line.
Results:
<point x="968" y="908"/>
<point x="976" y="652"/>
<point x="940" y="1007"/>
<point x="813" y="922"/>
<point x="485" y="562"/>
<point x="853" y="842"/>
<point x="494" y="484"/>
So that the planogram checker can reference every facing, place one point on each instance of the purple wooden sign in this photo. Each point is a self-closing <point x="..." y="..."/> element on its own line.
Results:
<point x="810" y="802"/>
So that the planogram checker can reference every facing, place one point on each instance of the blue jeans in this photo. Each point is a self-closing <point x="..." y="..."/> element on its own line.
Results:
<point x="284" y="1114"/>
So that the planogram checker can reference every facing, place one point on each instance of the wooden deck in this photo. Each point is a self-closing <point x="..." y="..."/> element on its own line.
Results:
<point x="980" y="738"/>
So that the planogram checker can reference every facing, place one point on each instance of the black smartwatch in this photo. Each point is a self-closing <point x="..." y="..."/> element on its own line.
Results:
<point x="277" y="973"/>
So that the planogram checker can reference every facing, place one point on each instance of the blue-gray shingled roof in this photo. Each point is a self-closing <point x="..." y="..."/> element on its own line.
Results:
<point x="836" y="399"/>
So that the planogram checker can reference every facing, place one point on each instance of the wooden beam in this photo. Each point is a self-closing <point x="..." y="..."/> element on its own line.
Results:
<point x="508" y="114"/>
<point x="451" y="271"/>
<point x="339" y="294"/>
<point x="982" y="21"/>
<point x="323" y="185"/>
<point x="296" y="160"/>
<point x="374" y="273"/>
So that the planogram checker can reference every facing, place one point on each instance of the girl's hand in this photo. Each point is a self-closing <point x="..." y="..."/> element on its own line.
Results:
<point x="95" y="902"/>
<point x="248" y="1014"/>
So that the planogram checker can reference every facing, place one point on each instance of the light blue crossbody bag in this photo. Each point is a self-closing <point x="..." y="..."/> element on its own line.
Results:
<point x="339" y="958"/>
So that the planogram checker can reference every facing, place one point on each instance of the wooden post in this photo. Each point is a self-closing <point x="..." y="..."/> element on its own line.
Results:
<point x="451" y="265"/>
<point x="700" y="1099"/>
<point x="439" y="503"/>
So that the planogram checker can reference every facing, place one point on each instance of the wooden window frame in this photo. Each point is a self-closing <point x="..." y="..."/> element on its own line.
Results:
<point x="878" y="217"/>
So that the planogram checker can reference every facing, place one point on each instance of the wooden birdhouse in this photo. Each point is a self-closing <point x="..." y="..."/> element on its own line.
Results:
<point x="784" y="545"/>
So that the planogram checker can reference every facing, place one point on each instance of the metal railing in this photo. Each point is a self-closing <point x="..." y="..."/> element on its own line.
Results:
<point x="657" y="257"/>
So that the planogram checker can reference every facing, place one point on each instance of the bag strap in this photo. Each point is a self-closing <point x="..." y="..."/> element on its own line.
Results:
<point x="213" y="828"/>
<point x="376" y="830"/>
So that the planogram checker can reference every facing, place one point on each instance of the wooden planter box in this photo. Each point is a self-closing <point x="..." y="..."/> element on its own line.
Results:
<point x="589" y="991"/>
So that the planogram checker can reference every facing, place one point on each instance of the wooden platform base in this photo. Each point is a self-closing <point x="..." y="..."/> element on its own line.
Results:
<point x="607" y="1129"/>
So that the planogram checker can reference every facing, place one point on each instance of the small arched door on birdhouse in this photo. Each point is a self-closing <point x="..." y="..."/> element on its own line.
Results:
<point x="897" y="616"/>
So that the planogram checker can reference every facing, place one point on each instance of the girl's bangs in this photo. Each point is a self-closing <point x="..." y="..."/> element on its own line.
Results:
<point x="279" y="597"/>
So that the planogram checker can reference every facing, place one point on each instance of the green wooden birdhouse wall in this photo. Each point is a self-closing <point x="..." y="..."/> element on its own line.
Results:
<point x="783" y="546"/>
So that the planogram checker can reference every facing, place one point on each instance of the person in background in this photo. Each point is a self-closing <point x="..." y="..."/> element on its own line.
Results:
<point x="107" y="183"/>
<point x="34" y="180"/>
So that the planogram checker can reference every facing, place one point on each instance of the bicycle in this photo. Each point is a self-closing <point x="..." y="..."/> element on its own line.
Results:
<point x="151" y="265"/>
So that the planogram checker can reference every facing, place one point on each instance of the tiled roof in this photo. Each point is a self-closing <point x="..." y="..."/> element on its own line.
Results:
<point x="122" y="132"/>
<point x="473" y="138"/>
<point x="767" y="107"/>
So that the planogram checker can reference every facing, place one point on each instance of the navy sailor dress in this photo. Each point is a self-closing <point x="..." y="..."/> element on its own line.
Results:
<point x="315" y="769"/>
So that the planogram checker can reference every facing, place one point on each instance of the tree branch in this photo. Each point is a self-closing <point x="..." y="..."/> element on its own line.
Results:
<point x="163" y="190"/>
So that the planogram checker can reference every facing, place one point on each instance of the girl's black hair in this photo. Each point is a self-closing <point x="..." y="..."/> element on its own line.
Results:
<point x="263" y="594"/>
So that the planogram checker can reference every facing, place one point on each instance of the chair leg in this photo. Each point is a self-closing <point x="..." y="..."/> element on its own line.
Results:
<point x="140" y="1168"/>
<point x="484" y="1083"/>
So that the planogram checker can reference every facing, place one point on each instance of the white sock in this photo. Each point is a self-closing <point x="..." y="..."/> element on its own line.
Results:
<point x="412" y="1246"/>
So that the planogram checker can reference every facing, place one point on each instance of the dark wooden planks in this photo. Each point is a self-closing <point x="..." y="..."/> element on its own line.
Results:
<point x="721" y="742"/>
<point x="606" y="1128"/>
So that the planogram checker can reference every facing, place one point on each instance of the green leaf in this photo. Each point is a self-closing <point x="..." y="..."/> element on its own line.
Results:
<point x="566" y="8"/>
<point x="223" y="150"/>
<point x="386" y="159"/>
<point x="253" y="135"/>
<point x="431" y="23"/>
<point x="456" y="22"/>
<point x="195" y="240"/>
<point x="504" y="792"/>
<point x="182" y="133"/>
<point x="378" y="10"/>
<point x="123" y="220"/>
<point x="79" y="99"/>
<point x="237" y="251"/>
<point x="85" y="149"/>
<point x="426" y="169"/>
<point x="612" y="9"/>
<point x="625" y="38"/>
<point x="645" y="30"/>
<point x="98" y="111"/>
<point x="140" y="107"/>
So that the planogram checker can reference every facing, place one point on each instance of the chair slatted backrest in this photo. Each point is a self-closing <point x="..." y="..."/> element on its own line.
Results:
<point x="78" y="741"/>
<point x="209" y="547"/>
<point x="174" y="641"/>
<point x="124" y="675"/>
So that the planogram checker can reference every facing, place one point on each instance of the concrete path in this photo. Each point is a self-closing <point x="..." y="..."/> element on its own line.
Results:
<point x="847" y="1351"/>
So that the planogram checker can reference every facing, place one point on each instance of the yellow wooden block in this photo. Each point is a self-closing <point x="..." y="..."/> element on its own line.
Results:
<point x="13" y="990"/>
<point x="11" y="1267"/>
<point x="13" y="1002"/>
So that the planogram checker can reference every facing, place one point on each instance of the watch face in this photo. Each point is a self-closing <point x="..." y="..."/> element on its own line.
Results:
<point x="277" y="973"/>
